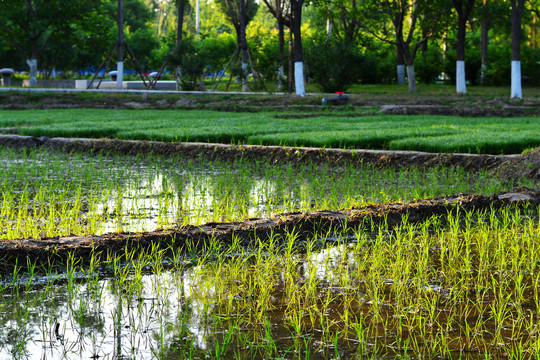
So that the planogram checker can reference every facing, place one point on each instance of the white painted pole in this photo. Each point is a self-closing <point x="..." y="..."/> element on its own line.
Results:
<point x="245" y="74"/>
<point x="32" y="64"/>
<point x="299" y="78"/>
<point x="516" y="80"/>
<point x="412" y="78"/>
<point x="461" y="85"/>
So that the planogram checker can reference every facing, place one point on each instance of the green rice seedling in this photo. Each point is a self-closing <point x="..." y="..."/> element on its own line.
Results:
<point x="104" y="202"/>
<point x="428" y="289"/>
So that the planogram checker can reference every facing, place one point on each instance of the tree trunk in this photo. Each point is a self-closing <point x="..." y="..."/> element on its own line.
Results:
<point x="32" y="64"/>
<point x="425" y="44"/>
<point x="290" y="75"/>
<point x="243" y="45"/>
<point x="296" y="23"/>
<point x="179" y="23"/>
<point x="281" y="43"/>
<point x="518" y="7"/>
<point x="120" y="68"/>
<point x="198" y="17"/>
<point x="461" y="85"/>
<point x="484" y="39"/>
<point x="178" y="76"/>
<point x="400" y="66"/>
<point x="463" y="9"/>
<point x="409" y="60"/>
<point x="411" y="77"/>
<point x="179" y="27"/>
<point x="329" y="22"/>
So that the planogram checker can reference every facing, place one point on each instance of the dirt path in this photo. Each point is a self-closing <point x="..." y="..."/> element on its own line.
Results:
<point x="364" y="103"/>
<point x="55" y="250"/>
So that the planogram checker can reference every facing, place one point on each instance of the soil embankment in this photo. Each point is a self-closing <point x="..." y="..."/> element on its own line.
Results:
<point x="304" y="225"/>
<point x="284" y="154"/>
<point x="357" y="105"/>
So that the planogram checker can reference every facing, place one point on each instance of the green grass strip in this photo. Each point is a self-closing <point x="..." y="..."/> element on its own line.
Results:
<point x="423" y="133"/>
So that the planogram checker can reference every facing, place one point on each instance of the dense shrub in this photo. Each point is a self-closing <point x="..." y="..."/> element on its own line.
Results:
<point x="499" y="69"/>
<point x="429" y="65"/>
<point x="215" y="51"/>
<point x="336" y="65"/>
<point x="192" y="64"/>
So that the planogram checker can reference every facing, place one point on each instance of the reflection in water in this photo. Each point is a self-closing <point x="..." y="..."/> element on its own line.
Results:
<point x="127" y="317"/>
<point x="47" y="194"/>
<point x="152" y="203"/>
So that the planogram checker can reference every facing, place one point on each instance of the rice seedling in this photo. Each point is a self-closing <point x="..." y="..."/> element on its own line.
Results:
<point x="465" y="284"/>
<point x="58" y="200"/>
<point x="424" y="133"/>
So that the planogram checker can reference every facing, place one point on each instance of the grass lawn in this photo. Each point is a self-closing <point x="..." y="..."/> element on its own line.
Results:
<point x="423" y="133"/>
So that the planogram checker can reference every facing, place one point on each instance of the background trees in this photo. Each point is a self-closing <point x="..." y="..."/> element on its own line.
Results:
<point x="368" y="38"/>
<point x="36" y="26"/>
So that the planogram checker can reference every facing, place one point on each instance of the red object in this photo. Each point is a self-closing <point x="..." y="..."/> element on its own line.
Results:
<point x="340" y="93"/>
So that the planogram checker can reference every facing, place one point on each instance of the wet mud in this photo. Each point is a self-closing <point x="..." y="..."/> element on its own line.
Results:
<point x="49" y="251"/>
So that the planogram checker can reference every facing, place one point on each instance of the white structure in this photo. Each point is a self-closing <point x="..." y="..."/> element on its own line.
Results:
<point x="32" y="63"/>
<point x="120" y="75"/>
<point x="401" y="74"/>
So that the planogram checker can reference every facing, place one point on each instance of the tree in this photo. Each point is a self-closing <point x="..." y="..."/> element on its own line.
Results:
<point x="31" y="25"/>
<point x="484" y="39"/>
<point x="346" y="17"/>
<point x="493" y="15"/>
<point x="280" y="9"/>
<point x="397" y="12"/>
<point x="180" y="5"/>
<point x="464" y="9"/>
<point x="335" y="64"/>
<point x="137" y="15"/>
<point x="241" y="12"/>
<point x="296" y="24"/>
<point x="534" y="8"/>
<point x="518" y="6"/>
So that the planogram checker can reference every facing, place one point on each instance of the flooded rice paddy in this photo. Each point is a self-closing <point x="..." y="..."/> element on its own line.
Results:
<point x="54" y="194"/>
<point x="464" y="285"/>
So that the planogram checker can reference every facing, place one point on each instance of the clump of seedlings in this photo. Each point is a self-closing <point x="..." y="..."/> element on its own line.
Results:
<point x="56" y="194"/>
<point x="464" y="285"/>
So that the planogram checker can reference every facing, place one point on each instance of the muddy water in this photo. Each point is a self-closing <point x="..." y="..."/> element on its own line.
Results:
<point x="129" y="194"/>
<point x="100" y="194"/>
<point x="144" y="311"/>
<point x="164" y="314"/>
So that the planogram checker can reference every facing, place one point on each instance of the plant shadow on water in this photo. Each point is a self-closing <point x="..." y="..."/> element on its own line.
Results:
<point x="463" y="285"/>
